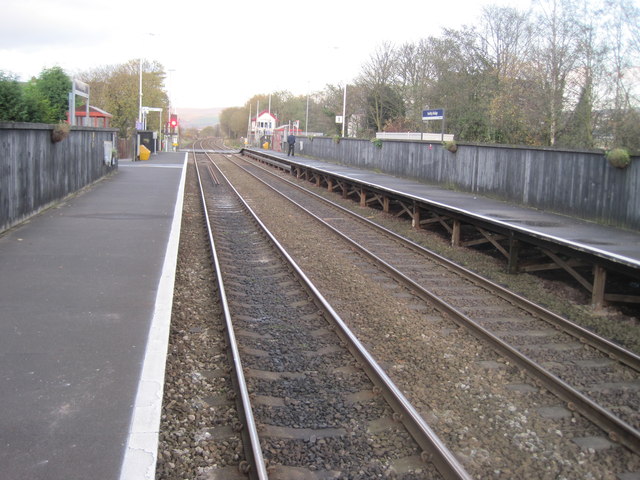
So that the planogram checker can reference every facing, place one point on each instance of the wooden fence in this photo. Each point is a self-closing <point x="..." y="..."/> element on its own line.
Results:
<point x="577" y="183"/>
<point x="35" y="172"/>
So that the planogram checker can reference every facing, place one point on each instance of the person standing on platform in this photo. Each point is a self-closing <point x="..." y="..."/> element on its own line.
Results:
<point x="291" y="140"/>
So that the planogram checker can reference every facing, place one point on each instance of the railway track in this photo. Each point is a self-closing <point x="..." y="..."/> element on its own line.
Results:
<point x="311" y="401"/>
<point x="426" y="335"/>
<point x="588" y="373"/>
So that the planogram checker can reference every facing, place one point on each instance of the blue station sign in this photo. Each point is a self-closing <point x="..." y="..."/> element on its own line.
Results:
<point x="433" y="114"/>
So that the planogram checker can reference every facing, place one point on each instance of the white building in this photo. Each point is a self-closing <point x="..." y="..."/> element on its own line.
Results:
<point x="263" y="124"/>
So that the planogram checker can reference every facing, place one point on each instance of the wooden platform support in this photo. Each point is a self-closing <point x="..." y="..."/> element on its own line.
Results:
<point x="455" y="234"/>
<point x="521" y="255"/>
<point x="514" y="254"/>
<point x="599" y="283"/>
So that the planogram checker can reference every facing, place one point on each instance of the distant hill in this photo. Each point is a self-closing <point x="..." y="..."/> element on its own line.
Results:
<point x="198" y="117"/>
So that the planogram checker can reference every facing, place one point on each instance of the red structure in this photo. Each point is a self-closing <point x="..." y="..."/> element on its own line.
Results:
<point x="280" y="135"/>
<point x="97" y="118"/>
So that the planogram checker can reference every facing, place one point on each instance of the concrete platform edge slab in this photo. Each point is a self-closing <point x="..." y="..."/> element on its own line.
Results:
<point x="141" y="449"/>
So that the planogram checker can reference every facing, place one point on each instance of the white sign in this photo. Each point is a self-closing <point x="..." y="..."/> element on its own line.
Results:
<point x="80" y="88"/>
<point x="338" y="118"/>
<point x="108" y="152"/>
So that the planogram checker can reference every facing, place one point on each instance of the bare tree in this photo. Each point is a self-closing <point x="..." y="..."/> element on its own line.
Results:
<point x="378" y="82"/>
<point x="464" y="88"/>
<point x="624" y="119"/>
<point x="416" y="77"/>
<point x="506" y="39"/>
<point x="584" y="99"/>
<point x="330" y="105"/>
<point x="555" y="58"/>
<point x="535" y="77"/>
<point x="115" y="89"/>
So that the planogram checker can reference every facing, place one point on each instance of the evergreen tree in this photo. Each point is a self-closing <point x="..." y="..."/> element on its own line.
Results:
<point x="53" y="85"/>
<point x="42" y="100"/>
<point x="36" y="106"/>
<point x="11" y="102"/>
<point x="578" y="132"/>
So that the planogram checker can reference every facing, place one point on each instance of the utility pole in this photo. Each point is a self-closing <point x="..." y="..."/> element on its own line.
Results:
<point x="344" y="108"/>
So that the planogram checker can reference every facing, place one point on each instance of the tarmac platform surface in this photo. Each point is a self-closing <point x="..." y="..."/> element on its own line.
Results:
<point x="86" y="289"/>
<point x="80" y="286"/>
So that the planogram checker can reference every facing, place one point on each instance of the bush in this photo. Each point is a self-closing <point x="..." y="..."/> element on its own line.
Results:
<point x="377" y="142"/>
<point x="60" y="132"/>
<point x="451" y="146"/>
<point x="619" y="158"/>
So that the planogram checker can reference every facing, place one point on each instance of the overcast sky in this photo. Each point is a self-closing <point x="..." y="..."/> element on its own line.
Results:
<point x="220" y="53"/>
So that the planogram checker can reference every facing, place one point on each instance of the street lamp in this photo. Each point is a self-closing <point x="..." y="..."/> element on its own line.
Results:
<point x="169" y="89"/>
<point x="306" y="118"/>
<point x="140" y="92"/>
<point x="344" y="99"/>
<point x="144" y="48"/>
<point x="344" y="108"/>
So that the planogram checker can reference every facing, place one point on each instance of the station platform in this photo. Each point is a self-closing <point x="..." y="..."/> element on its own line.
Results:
<point x="610" y="242"/>
<point x="86" y="290"/>
<point x="606" y="247"/>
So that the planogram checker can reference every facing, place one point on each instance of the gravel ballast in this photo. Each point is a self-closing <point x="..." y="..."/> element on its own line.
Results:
<point x="482" y="406"/>
<point x="497" y="421"/>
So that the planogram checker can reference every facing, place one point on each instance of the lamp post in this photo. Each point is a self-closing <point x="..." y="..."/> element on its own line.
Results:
<point x="306" y="118"/>
<point x="169" y="89"/>
<point x="140" y="91"/>
<point x="144" y="48"/>
<point x="344" y="108"/>
<point x="344" y="100"/>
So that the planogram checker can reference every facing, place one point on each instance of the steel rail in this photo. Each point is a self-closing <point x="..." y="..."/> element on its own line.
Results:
<point x="616" y="428"/>
<point x="606" y="346"/>
<point x="434" y="450"/>
<point x="254" y="453"/>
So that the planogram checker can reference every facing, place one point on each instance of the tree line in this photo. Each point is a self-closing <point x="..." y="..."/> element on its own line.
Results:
<point x="564" y="73"/>
<point x="116" y="89"/>
<point x="43" y="99"/>
<point x="560" y="74"/>
<point x="113" y="88"/>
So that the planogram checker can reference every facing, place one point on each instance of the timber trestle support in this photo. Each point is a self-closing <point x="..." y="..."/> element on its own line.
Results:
<point x="522" y="253"/>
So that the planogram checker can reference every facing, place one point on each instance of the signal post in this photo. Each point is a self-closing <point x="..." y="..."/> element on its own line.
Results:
<point x="171" y="133"/>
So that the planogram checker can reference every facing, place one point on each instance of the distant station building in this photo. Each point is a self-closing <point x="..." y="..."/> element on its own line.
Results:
<point x="97" y="117"/>
<point x="262" y="126"/>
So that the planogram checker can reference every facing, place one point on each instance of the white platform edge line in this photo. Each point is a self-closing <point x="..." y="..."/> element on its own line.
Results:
<point x="141" y="450"/>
